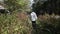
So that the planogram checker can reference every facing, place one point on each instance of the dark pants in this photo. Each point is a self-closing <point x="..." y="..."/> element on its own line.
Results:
<point x="34" y="24"/>
<point x="34" y="27"/>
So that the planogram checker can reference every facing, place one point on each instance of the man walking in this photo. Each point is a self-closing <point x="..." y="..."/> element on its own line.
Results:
<point x="33" y="19"/>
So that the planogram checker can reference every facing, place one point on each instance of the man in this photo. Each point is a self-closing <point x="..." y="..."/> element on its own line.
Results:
<point x="33" y="19"/>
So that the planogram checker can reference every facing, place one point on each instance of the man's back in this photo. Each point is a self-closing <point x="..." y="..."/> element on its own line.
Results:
<point x="33" y="16"/>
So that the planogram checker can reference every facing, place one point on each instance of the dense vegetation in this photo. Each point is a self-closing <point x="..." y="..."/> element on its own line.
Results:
<point x="16" y="4"/>
<point x="18" y="22"/>
<point x="49" y="6"/>
<point x="13" y="23"/>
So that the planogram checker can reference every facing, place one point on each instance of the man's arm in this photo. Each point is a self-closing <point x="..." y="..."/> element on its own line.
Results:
<point x="35" y="16"/>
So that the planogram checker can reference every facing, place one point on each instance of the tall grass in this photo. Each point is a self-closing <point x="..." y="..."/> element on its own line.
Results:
<point x="11" y="24"/>
<point x="48" y="24"/>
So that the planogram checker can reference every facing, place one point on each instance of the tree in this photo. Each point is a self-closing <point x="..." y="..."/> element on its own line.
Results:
<point x="16" y="4"/>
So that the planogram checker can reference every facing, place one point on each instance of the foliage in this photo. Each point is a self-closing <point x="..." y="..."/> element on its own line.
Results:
<point x="49" y="6"/>
<point x="49" y="25"/>
<point x="11" y="24"/>
<point x="16" y="4"/>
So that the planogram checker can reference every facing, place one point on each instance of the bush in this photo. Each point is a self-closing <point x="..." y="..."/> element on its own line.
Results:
<point x="11" y="24"/>
<point x="48" y="25"/>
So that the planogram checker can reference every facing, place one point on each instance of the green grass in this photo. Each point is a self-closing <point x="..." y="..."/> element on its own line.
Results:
<point x="11" y="24"/>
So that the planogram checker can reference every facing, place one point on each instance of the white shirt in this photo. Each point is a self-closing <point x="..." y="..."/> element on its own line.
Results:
<point x="33" y="16"/>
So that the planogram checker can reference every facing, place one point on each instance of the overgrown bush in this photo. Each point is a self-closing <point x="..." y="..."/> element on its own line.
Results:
<point x="11" y="24"/>
<point x="48" y="25"/>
